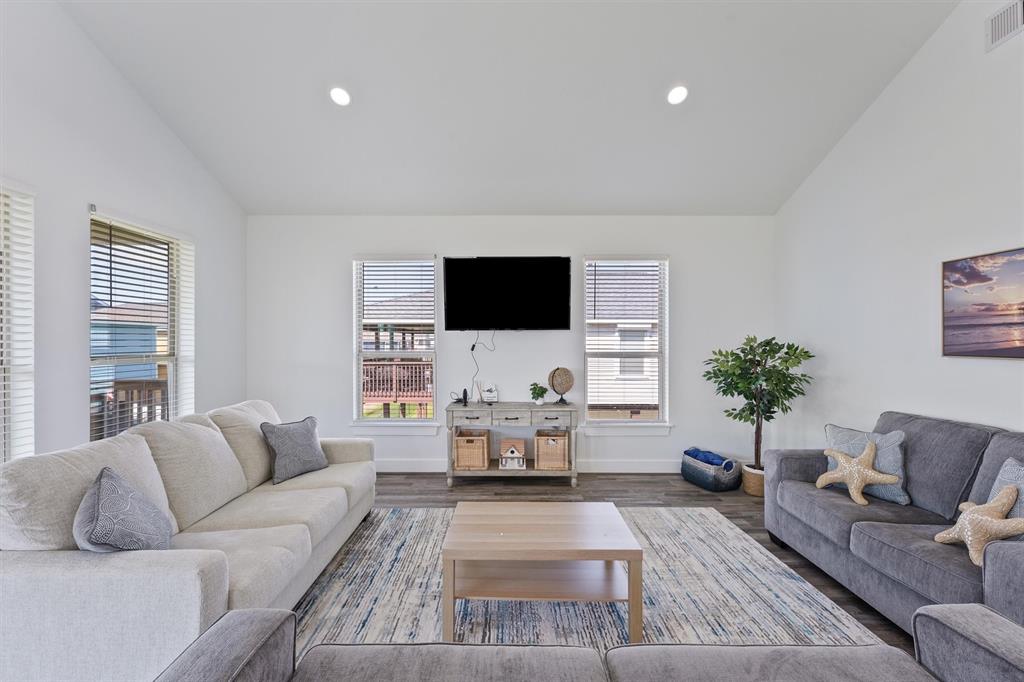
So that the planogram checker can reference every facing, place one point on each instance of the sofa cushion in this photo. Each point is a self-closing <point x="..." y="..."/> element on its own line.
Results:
<point x="449" y="663"/>
<point x="319" y="510"/>
<point x="1002" y="447"/>
<point x="357" y="478"/>
<point x="704" y="663"/>
<point x="240" y="425"/>
<point x="832" y="513"/>
<point x="261" y="561"/>
<point x="114" y="516"/>
<point x="39" y="495"/>
<point x="198" y="468"/>
<point x="941" y="458"/>
<point x="909" y="554"/>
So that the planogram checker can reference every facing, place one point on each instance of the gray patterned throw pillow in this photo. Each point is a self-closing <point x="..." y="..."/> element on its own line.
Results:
<point x="888" y="460"/>
<point x="114" y="516"/>
<point x="296" y="448"/>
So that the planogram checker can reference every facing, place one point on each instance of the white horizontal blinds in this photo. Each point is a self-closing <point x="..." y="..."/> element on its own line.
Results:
<point x="184" y="265"/>
<point x="395" y="318"/>
<point x="625" y="315"/>
<point x="16" y="325"/>
<point x="141" y="327"/>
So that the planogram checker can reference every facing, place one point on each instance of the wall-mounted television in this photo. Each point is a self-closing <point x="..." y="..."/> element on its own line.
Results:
<point x="507" y="293"/>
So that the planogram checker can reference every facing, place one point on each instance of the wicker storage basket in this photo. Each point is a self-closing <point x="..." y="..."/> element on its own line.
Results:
<point x="472" y="450"/>
<point x="711" y="477"/>
<point x="551" y="450"/>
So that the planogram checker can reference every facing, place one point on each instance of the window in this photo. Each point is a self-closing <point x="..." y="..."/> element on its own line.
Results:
<point x="628" y="338"/>
<point x="626" y="320"/>
<point x="16" y="327"/>
<point x="394" y="341"/>
<point x="141" y="328"/>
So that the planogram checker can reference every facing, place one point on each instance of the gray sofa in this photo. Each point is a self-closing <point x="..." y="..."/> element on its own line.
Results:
<point x="240" y="541"/>
<point x="885" y="552"/>
<point x="955" y="643"/>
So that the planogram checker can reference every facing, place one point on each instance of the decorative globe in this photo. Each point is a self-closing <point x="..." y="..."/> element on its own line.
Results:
<point x="560" y="380"/>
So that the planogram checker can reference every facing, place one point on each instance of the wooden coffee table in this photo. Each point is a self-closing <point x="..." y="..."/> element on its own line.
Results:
<point x="542" y="551"/>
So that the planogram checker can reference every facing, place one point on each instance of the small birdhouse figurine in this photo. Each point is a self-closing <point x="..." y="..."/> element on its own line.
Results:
<point x="513" y="454"/>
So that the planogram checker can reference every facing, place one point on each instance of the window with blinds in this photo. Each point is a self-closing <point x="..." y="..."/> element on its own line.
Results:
<point x="16" y="327"/>
<point x="626" y="318"/>
<point x="141" y="328"/>
<point x="395" y="318"/>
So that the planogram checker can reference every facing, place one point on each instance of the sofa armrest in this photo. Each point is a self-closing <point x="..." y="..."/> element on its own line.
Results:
<point x="342" y="450"/>
<point x="73" y="614"/>
<point x="1003" y="575"/>
<point x="967" y="642"/>
<point x="247" y="644"/>
<point x="793" y="465"/>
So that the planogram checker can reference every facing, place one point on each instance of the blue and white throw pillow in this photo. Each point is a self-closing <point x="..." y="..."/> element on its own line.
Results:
<point x="888" y="459"/>
<point x="1011" y="473"/>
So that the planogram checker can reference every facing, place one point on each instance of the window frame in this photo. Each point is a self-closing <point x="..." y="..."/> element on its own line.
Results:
<point x="662" y="354"/>
<point x="180" y="355"/>
<point x="17" y="374"/>
<point x="359" y="355"/>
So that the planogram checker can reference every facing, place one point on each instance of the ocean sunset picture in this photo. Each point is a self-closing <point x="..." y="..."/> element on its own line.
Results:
<point x="983" y="305"/>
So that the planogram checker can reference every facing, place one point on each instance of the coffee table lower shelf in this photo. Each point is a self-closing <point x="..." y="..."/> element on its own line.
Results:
<point x="542" y="580"/>
<point x="560" y="580"/>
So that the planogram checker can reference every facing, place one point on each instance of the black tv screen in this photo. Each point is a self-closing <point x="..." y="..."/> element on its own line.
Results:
<point x="506" y="293"/>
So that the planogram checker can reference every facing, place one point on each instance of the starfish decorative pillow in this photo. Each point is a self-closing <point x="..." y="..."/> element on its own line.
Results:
<point x="980" y="524"/>
<point x="855" y="472"/>
<point x="889" y="458"/>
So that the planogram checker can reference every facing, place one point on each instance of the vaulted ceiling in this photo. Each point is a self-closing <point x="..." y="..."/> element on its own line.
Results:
<point x="511" y="107"/>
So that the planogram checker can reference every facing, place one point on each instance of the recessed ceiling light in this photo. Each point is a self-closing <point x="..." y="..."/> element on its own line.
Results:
<point x="677" y="94"/>
<point x="340" y="97"/>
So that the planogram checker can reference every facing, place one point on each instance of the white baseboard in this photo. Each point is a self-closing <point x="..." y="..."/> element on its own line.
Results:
<point x="417" y="465"/>
<point x="629" y="466"/>
<point x="604" y="466"/>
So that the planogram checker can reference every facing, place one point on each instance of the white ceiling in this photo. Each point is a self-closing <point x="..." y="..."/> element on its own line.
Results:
<point x="511" y="107"/>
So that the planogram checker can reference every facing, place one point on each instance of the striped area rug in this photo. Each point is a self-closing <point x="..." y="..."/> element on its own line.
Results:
<point x="705" y="581"/>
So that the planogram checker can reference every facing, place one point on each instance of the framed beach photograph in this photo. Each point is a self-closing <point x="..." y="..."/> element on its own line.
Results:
<point x="983" y="305"/>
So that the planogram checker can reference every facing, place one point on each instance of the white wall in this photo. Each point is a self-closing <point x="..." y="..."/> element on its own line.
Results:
<point x="299" y="318"/>
<point x="933" y="171"/>
<point x="74" y="132"/>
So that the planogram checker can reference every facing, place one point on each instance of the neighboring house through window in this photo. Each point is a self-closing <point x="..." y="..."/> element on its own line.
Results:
<point x="16" y="325"/>
<point x="626" y="317"/>
<point x="141" y="328"/>
<point x="395" y="318"/>
<point x="631" y="338"/>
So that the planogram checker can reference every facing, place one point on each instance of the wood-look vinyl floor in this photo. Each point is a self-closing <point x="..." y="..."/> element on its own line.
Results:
<point x="633" y="490"/>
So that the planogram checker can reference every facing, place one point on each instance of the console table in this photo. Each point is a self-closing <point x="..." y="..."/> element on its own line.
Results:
<point x="515" y="415"/>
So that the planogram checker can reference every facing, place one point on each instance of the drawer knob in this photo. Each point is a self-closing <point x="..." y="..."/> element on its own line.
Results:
<point x="511" y="419"/>
<point x="472" y="417"/>
<point x="551" y="418"/>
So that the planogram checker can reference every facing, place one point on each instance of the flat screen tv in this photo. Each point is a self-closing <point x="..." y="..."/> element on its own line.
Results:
<point x="506" y="293"/>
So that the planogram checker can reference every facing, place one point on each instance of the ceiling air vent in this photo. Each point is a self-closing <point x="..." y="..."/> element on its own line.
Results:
<point x="1004" y="24"/>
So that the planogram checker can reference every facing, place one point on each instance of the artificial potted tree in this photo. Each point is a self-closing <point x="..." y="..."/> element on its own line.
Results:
<point x="537" y="392"/>
<point x="764" y="374"/>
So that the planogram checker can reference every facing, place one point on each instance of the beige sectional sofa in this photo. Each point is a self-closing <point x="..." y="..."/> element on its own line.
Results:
<point x="240" y="542"/>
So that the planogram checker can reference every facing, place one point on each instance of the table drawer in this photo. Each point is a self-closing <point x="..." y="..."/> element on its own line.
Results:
<point x="471" y="418"/>
<point x="510" y="418"/>
<point x="551" y="418"/>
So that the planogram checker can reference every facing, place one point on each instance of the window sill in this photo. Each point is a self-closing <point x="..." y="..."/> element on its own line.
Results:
<point x="395" y="428"/>
<point x="626" y="429"/>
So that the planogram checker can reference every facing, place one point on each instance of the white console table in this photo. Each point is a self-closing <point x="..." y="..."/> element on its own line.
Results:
<point x="511" y="415"/>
